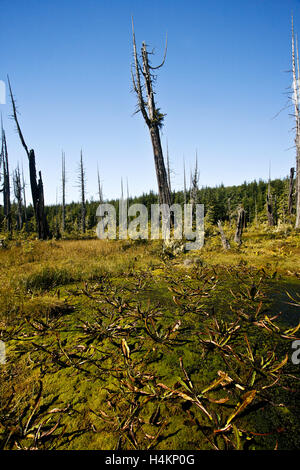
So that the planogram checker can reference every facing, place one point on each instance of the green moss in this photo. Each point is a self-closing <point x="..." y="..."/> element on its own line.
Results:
<point x="69" y="330"/>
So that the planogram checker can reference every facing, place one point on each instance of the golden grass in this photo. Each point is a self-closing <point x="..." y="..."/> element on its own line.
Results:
<point x="35" y="280"/>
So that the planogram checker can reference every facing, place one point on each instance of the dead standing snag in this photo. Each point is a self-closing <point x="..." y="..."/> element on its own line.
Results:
<point x="224" y="240"/>
<point x="239" y="226"/>
<point x="37" y="189"/>
<point x="6" y="181"/>
<point x="142" y="79"/>
<point x="297" y="119"/>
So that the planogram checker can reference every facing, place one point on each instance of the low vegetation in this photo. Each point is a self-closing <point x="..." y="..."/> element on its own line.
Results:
<point x="122" y="345"/>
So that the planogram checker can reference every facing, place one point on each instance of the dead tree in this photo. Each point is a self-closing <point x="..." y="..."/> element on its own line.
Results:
<point x="142" y="79"/>
<point x="6" y="182"/>
<point x="194" y="183"/>
<point x="239" y="226"/>
<point x="100" y="191"/>
<point x="36" y="184"/>
<point x="122" y="190"/>
<point x="291" y="191"/>
<point x="82" y="181"/>
<point x="169" y="170"/>
<point x="63" y="183"/>
<point x="127" y="190"/>
<point x="224" y="240"/>
<point x="57" y="231"/>
<point x="24" y="200"/>
<point x="184" y="184"/>
<point x="18" y="195"/>
<point x="297" y="137"/>
<point x="269" y="206"/>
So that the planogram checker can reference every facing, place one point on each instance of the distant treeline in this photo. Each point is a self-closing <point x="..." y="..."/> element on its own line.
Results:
<point x="220" y="203"/>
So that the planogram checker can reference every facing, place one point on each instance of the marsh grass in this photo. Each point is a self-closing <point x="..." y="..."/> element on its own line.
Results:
<point x="110" y="345"/>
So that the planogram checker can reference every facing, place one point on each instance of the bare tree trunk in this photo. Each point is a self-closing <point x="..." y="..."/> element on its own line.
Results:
<point x="297" y="137"/>
<point x="151" y="115"/>
<point x="297" y="225"/>
<point x="57" y="231"/>
<point x="194" y="183"/>
<point x="122" y="190"/>
<point x="225" y="242"/>
<point x="184" y="185"/>
<point x="37" y="189"/>
<point x="18" y="196"/>
<point x="161" y="174"/>
<point x="240" y="226"/>
<point x="291" y="190"/>
<point x="100" y="192"/>
<point x="24" y="200"/>
<point x="82" y="191"/>
<point x="168" y="169"/>
<point x="270" y="211"/>
<point x="63" y="180"/>
<point x="269" y="206"/>
<point x="127" y="191"/>
<point x="43" y="229"/>
<point x="6" y="183"/>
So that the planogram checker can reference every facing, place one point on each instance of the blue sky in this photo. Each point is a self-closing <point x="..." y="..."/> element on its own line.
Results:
<point x="224" y="79"/>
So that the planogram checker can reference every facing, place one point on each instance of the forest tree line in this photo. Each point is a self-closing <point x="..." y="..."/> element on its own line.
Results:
<point x="220" y="203"/>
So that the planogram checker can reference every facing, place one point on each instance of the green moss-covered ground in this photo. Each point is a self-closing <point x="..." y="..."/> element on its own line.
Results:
<point x="111" y="345"/>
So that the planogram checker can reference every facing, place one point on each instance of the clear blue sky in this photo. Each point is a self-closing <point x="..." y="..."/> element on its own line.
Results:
<point x="223" y="81"/>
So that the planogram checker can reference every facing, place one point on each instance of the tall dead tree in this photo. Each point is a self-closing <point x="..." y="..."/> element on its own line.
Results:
<point x="122" y="190"/>
<point x="127" y="190"/>
<point x="56" y="225"/>
<point x="63" y="184"/>
<point x="82" y="182"/>
<point x="239" y="226"/>
<point x="142" y="79"/>
<point x="297" y="136"/>
<point x="24" y="200"/>
<point x="184" y="184"/>
<point x="291" y="191"/>
<point x="169" y="170"/>
<point x="100" y="191"/>
<point x="6" y="182"/>
<point x="269" y="206"/>
<point x="194" y="183"/>
<point x="18" y="195"/>
<point x="224" y="240"/>
<point x="36" y="184"/>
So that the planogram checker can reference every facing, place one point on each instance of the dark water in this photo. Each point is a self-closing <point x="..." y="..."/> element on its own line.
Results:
<point x="280" y="301"/>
